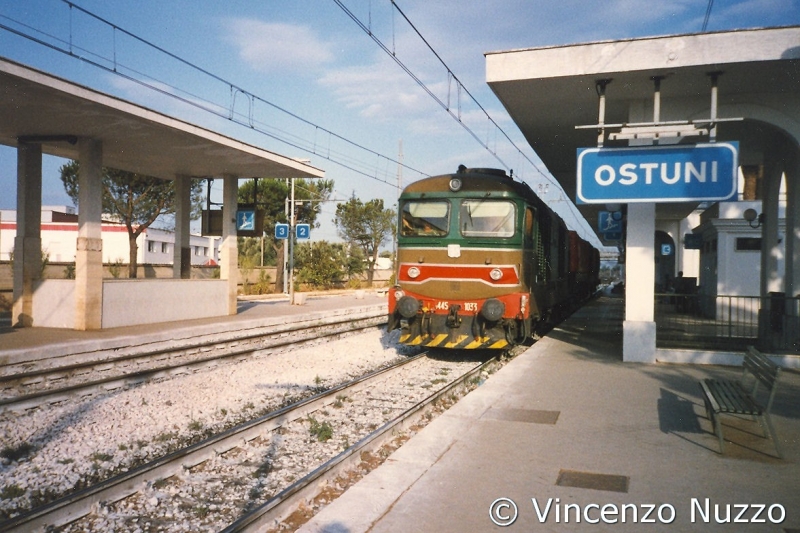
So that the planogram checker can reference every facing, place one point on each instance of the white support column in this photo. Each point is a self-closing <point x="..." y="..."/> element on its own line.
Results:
<point x="182" y="252"/>
<point x="639" y="327"/>
<point x="771" y="279"/>
<point x="792" y="276"/>
<point x="89" y="250"/>
<point x="229" y="252"/>
<point x="28" y="241"/>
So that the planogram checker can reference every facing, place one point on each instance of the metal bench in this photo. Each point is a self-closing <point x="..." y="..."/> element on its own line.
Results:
<point x="732" y="397"/>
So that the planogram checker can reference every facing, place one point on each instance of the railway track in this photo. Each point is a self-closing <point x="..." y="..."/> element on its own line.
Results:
<point x="81" y="375"/>
<point x="252" y="451"/>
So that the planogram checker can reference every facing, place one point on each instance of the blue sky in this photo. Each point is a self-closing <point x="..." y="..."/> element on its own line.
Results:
<point x="310" y="59"/>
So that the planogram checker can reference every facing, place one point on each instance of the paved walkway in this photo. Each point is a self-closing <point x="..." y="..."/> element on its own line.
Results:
<point x="566" y="425"/>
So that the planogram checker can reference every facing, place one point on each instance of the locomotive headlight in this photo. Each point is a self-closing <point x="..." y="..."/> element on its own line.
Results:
<point x="455" y="184"/>
<point x="493" y="309"/>
<point x="407" y="306"/>
<point x="523" y="304"/>
<point x="413" y="272"/>
<point x="496" y="274"/>
<point x="398" y="294"/>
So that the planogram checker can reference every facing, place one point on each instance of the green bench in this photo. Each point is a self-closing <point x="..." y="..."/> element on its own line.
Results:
<point x="726" y="397"/>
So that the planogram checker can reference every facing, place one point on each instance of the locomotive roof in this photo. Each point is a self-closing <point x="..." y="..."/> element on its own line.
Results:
<point x="472" y="180"/>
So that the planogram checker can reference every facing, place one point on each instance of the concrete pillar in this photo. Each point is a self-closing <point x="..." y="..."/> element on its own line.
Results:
<point x="28" y="241"/>
<point x="639" y="327"/>
<point x="182" y="252"/>
<point x="229" y="252"/>
<point x="752" y="181"/>
<point x="792" y="275"/>
<point x="89" y="250"/>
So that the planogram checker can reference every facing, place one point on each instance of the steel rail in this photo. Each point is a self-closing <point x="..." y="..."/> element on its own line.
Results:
<point x="277" y="508"/>
<point x="80" y="503"/>
<point x="183" y="363"/>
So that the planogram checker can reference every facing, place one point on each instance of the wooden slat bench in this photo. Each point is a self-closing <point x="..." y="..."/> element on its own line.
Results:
<point x="732" y="397"/>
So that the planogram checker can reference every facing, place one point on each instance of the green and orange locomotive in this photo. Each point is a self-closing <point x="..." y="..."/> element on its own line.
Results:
<point x="482" y="262"/>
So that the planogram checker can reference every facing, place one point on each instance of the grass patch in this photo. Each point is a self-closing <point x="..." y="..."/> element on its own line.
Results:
<point x="323" y="431"/>
<point x="15" y="453"/>
<point x="9" y="492"/>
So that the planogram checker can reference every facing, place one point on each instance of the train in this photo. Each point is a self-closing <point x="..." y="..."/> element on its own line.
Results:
<point x="483" y="262"/>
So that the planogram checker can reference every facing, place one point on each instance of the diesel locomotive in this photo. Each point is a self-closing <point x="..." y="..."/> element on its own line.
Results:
<point x="483" y="262"/>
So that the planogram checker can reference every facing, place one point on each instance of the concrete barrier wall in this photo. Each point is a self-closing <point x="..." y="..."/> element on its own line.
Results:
<point x="54" y="304"/>
<point x="132" y="302"/>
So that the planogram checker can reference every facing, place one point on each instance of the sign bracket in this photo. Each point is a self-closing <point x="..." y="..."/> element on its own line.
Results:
<point x="657" y="129"/>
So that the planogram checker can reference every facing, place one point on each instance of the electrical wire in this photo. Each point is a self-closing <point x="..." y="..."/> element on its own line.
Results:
<point x="580" y="223"/>
<point x="708" y="15"/>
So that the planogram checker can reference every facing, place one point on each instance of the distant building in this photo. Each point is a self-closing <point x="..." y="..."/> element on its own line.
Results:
<point x="60" y="235"/>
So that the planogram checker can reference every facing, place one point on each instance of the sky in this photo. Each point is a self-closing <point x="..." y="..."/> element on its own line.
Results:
<point x="303" y="79"/>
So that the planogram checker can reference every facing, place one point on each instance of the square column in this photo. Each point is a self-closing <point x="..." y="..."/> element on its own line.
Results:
<point x="792" y="274"/>
<point x="229" y="250"/>
<point x="182" y="252"/>
<point x="28" y="241"/>
<point x="89" y="250"/>
<point x="639" y="327"/>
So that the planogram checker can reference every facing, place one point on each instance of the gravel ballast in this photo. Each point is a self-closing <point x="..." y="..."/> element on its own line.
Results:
<point x="51" y="451"/>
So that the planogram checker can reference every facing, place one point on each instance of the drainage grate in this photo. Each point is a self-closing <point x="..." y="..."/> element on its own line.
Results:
<point x="589" y="480"/>
<point x="530" y="416"/>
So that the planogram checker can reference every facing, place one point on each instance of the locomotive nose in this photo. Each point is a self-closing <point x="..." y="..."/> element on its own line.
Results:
<point x="493" y="310"/>
<point x="407" y="306"/>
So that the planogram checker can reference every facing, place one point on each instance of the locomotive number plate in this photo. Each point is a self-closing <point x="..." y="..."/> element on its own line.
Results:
<point x="470" y="307"/>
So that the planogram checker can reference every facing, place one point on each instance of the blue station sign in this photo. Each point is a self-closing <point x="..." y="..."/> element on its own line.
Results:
<point x="683" y="173"/>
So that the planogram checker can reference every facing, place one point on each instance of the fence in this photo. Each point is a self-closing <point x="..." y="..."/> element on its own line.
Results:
<point x="727" y="322"/>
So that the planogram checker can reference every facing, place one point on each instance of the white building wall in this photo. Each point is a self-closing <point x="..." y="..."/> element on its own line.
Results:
<point x="59" y="241"/>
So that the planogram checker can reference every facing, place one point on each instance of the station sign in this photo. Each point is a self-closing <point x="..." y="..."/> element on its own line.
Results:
<point x="281" y="231"/>
<point x="302" y="231"/>
<point x="609" y="225"/>
<point x="682" y="173"/>
<point x="246" y="220"/>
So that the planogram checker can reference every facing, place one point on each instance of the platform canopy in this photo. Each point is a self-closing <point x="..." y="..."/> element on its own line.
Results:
<point x="39" y="107"/>
<point x="549" y="91"/>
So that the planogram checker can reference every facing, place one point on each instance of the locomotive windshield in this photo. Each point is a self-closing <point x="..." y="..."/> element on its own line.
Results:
<point x="429" y="218"/>
<point x="487" y="218"/>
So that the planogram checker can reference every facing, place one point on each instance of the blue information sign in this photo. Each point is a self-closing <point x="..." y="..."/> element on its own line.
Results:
<point x="303" y="231"/>
<point x="281" y="231"/>
<point x="683" y="173"/>
<point x="610" y="225"/>
<point x="246" y="220"/>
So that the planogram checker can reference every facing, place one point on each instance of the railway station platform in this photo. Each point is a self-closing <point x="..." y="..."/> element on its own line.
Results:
<point x="567" y="427"/>
<point x="39" y="344"/>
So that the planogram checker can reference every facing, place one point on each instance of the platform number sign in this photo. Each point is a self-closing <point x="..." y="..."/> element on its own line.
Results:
<point x="281" y="231"/>
<point x="303" y="231"/>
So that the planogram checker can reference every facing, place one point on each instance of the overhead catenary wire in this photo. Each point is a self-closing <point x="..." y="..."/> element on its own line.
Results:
<point x="580" y="223"/>
<point x="69" y="48"/>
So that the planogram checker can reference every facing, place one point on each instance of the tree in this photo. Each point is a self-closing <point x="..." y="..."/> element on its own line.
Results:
<point x="320" y="264"/>
<point x="270" y="197"/>
<point x="365" y="225"/>
<point x="133" y="199"/>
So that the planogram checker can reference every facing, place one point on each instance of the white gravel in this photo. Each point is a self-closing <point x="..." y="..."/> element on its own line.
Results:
<point x="79" y="442"/>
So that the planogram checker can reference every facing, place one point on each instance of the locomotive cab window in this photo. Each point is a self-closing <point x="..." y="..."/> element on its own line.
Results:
<point x="487" y="218"/>
<point x="430" y="218"/>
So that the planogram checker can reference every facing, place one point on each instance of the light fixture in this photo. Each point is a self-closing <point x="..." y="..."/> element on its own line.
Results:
<point x="455" y="184"/>
<point x="751" y="216"/>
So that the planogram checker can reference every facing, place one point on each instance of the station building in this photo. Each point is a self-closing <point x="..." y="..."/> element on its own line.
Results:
<point x="45" y="114"/>
<point x="737" y="87"/>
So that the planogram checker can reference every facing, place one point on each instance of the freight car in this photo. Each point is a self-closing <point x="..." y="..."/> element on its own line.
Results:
<point x="483" y="262"/>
